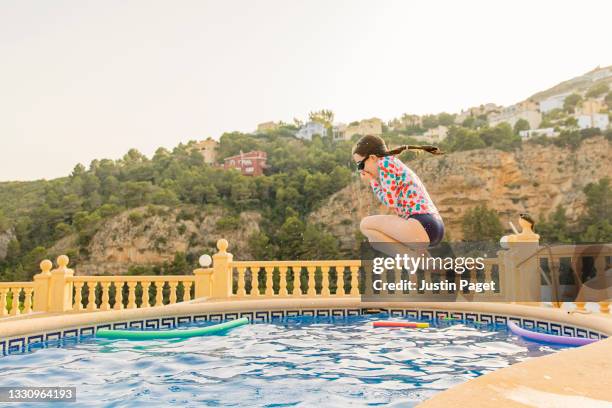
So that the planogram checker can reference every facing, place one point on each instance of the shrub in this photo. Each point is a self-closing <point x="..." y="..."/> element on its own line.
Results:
<point x="135" y="218"/>
<point x="228" y="223"/>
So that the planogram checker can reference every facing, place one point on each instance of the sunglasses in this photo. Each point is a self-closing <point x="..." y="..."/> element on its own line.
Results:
<point x="361" y="164"/>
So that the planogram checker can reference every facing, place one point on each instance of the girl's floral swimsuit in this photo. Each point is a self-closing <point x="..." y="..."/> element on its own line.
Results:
<point x="401" y="189"/>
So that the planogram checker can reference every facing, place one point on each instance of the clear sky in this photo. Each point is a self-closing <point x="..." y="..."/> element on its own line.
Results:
<point x="90" y="79"/>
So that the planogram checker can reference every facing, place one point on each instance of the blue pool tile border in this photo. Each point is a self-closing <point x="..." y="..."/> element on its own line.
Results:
<point x="73" y="335"/>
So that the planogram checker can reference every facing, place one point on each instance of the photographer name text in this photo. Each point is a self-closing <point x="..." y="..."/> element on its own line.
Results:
<point x="445" y="285"/>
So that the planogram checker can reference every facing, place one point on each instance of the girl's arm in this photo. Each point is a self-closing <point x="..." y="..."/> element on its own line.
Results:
<point x="378" y="192"/>
<point x="389" y="176"/>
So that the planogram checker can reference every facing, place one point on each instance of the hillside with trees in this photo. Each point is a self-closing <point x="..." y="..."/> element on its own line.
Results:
<point x="40" y="217"/>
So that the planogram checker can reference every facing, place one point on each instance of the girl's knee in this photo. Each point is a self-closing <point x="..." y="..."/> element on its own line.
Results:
<point x="366" y="224"/>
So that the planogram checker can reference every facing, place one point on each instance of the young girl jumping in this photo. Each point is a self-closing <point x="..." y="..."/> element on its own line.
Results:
<point x="417" y="223"/>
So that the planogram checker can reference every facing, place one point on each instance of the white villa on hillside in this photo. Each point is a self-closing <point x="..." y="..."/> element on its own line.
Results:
<point x="528" y="134"/>
<point x="595" y="120"/>
<point x="310" y="129"/>
<point x="553" y="102"/>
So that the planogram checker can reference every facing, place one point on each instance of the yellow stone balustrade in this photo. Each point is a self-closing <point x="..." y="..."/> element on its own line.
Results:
<point x="15" y="298"/>
<point x="256" y="279"/>
<point x="59" y="290"/>
<point x="129" y="291"/>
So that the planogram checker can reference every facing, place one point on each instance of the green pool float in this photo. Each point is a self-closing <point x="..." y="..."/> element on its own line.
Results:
<point x="170" y="334"/>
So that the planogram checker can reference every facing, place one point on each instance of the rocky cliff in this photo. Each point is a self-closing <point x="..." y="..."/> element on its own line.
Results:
<point x="534" y="179"/>
<point x="143" y="236"/>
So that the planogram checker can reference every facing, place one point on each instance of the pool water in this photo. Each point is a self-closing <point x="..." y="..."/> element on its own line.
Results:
<point x="296" y="362"/>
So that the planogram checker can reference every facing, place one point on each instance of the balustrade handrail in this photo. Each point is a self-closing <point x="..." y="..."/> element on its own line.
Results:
<point x="13" y="285"/>
<point x="585" y="248"/>
<point x="132" y="278"/>
<point x="326" y="263"/>
<point x="565" y="250"/>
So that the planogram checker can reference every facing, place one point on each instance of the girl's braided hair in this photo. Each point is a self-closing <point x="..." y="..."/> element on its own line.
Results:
<point x="371" y="144"/>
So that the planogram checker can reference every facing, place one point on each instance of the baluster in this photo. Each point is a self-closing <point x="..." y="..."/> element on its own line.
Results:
<point x="282" y="291"/>
<point x="428" y="276"/>
<point x="255" y="281"/>
<point x="187" y="286"/>
<point x="474" y="279"/>
<point x="131" y="295"/>
<point x="104" y="304"/>
<point x="145" y="294"/>
<point x="600" y="266"/>
<point x="173" y="286"/>
<point x="78" y="296"/>
<point x="311" y="281"/>
<point x="241" y="291"/>
<point x="159" y="295"/>
<point x="3" y="310"/>
<point x="576" y="265"/>
<point x="297" y="281"/>
<point x="91" y="298"/>
<point x="555" y="274"/>
<point x="340" y="281"/>
<point x="27" y="302"/>
<point x="269" y="282"/>
<point x="488" y="275"/>
<point x="118" y="296"/>
<point x="354" y="281"/>
<point x="488" y="272"/>
<point x="325" y="281"/>
<point x="414" y="278"/>
<point x="600" y="272"/>
<point x="368" y="277"/>
<point x="15" y="301"/>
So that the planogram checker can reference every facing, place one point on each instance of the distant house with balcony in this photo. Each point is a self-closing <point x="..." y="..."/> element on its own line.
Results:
<point x="250" y="164"/>
<point x="208" y="150"/>
<point x="310" y="129"/>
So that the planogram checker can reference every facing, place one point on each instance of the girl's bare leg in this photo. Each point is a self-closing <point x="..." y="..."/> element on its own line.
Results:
<point x="391" y="228"/>
<point x="394" y="235"/>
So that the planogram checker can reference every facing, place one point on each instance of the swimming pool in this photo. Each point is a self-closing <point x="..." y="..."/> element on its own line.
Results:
<point x="302" y="361"/>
